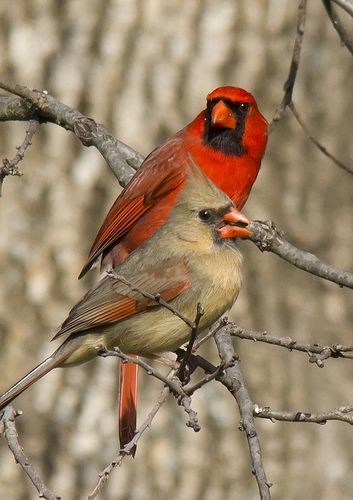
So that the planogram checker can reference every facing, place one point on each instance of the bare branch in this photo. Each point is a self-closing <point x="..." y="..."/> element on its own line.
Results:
<point x="104" y="475"/>
<point x="345" y="37"/>
<point x="268" y="238"/>
<point x="317" y="353"/>
<point x="14" y="108"/>
<point x="342" y="414"/>
<point x="316" y="142"/>
<point x="10" y="167"/>
<point x="11" y="436"/>
<point x="233" y="380"/>
<point x="122" y="159"/>
<point x="293" y="69"/>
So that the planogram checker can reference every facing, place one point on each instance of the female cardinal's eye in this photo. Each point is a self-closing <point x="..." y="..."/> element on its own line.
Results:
<point x="206" y="215"/>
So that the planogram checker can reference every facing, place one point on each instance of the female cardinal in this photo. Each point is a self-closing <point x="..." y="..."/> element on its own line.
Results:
<point x="227" y="140"/>
<point x="192" y="258"/>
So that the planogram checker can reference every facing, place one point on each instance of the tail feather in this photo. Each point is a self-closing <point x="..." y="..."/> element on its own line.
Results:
<point x="38" y="372"/>
<point x="128" y="389"/>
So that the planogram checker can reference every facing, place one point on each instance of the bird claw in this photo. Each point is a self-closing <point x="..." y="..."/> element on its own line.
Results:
<point x="186" y="369"/>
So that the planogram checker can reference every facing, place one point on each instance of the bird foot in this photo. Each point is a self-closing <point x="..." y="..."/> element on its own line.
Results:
<point x="186" y="369"/>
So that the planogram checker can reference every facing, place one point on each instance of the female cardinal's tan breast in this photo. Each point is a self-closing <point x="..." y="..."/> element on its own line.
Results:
<point x="215" y="284"/>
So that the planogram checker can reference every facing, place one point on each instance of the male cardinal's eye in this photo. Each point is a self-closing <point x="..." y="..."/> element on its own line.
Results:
<point x="244" y="106"/>
<point x="205" y="215"/>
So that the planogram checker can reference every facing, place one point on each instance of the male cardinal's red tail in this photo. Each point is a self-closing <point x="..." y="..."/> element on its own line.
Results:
<point x="128" y="385"/>
<point x="38" y="372"/>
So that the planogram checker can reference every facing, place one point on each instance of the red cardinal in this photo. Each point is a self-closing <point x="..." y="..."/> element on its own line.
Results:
<point x="227" y="140"/>
<point x="192" y="259"/>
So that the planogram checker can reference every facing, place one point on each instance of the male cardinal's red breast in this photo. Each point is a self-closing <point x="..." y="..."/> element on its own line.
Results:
<point x="192" y="258"/>
<point x="227" y="140"/>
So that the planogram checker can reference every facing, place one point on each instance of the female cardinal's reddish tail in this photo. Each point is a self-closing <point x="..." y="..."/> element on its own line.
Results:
<point x="128" y="390"/>
<point x="227" y="140"/>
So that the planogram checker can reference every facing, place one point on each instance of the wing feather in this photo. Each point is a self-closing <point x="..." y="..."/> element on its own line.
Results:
<point x="161" y="175"/>
<point x="112" y="301"/>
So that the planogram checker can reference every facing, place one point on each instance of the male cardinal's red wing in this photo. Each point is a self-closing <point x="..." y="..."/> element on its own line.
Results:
<point x="113" y="301"/>
<point x="155" y="181"/>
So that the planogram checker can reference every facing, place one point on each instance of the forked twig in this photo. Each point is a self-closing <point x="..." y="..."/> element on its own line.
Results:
<point x="122" y="160"/>
<point x="10" y="167"/>
<point x="174" y="383"/>
<point x="11" y="436"/>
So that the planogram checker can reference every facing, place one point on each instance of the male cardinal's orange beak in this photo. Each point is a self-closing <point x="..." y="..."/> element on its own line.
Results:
<point x="222" y="116"/>
<point x="236" y="228"/>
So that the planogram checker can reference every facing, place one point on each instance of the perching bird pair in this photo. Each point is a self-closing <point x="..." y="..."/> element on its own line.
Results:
<point x="172" y="231"/>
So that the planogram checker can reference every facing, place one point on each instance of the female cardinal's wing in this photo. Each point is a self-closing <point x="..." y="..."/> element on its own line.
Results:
<point x="112" y="300"/>
<point x="160" y="177"/>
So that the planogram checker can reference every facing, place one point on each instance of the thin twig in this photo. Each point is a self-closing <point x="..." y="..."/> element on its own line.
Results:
<point x="213" y="330"/>
<point x="345" y="37"/>
<point x="11" y="436"/>
<point x="293" y="69"/>
<point x="268" y="238"/>
<point x="104" y="475"/>
<point x="206" y="379"/>
<point x="155" y="297"/>
<point x="346" y="5"/>
<point x="10" y="167"/>
<point x="174" y="387"/>
<point x="342" y="414"/>
<point x="186" y="358"/>
<point x="317" y="353"/>
<point x="234" y="381"/>
<point x="316" y="142"/>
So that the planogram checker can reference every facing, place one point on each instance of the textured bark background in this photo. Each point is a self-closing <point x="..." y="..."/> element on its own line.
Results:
<point x="143" y="68"/>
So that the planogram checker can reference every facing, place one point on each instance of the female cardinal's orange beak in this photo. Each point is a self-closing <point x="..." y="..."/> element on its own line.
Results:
<point x="236" y="228"/>
<point x="222" y="116"/>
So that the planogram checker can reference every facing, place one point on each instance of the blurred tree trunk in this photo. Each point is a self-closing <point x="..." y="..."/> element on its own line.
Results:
<point x="143" y="69"/>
